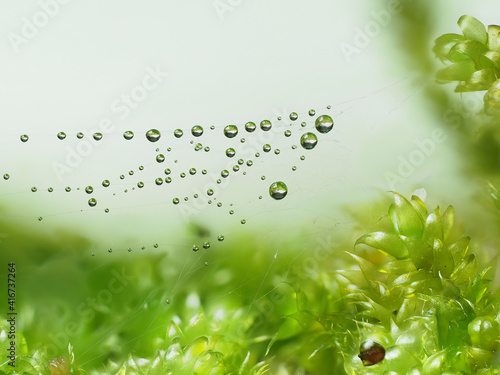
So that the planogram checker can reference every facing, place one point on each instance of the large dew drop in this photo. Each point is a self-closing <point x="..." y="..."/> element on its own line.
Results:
<point x="153" y="135"/>
<point x="250" y="126"/>
<point x="278" y="190"/>
<point x="324" y="124"/>
<point x="230" y="152"/>
<point x="308" y="141"/>
<point x="178" y="133"/>
<point x="231" y="131"/>
<point x="197" y="130"/>
<point x="265" y="125"/>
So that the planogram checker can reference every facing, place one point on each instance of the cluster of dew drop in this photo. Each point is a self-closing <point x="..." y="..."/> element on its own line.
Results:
<point x="277" y="190"/>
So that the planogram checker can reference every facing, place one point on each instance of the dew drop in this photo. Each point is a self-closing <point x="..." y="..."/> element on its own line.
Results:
<point x="265" y="125"/>
<point x="236" y="168"/>
<point x="140" y="184"/>
<point x="168" y="180"/>
<point x="110" y="250"/>
<point x="288" y="133"/>
<point x="129" y="250"/>
<point x="182" y="175"/>
<point x="141" y="167"/>
<point x="230" y="152"/>
<point x="160" y="158"/>
<point x="196" y="248"/>
<point x="312" y="112"/>
<point x="68" y="189"/>
<point x="204" y="171"/>
<point x="89" y="189"/>
<point x="167" y="171"/>
<point x="263" y="178"/>
<point x="308" y="141"/>
<point x="159" y="181"/>
<point x="97" y="136"/>
<point x="128" y="135"/>
<point x="92" y="202"/>
<point x="231" y="131"/>
<point x="155" y="246"/>
<point x="206" y="245"/>
<point x="105" y="183"/>
<point x="294" y="116"/>
<point x="207" y="148"/>
<point x="61" y="135"/>
<point x="197" y="130"/>
<point x="249" y="163"/>
<point x="277" y="151"/>
<point x="243" y="221"/>
<point x="266" y="148"/>
<point x="198" y="147"/>
<point x="40" y="218"/>
<point x="250" y="126"/>
<point x="278" y="190"/>
<point x="324" y="124"/>
<point x="241" y="161"/>
<point x="175" y="201"/>
<point x="219" y="204"/>
<point x="294" y="168"/>
<point x="79" y="135"/>
<point x="6" y="176"/>
<point x="153" y="135"/>
<point x="328" y="107"/>
<point x="178" y="133"/>
<point x="303" y="157"/>
<point x="24" y="138"/>
<point x="106" y="210"/>
<point x="192" y="171"/>
<point x="50" y="190"/>
<point x="220" y="238"/>
<point x="231" y="212"/>
<point x="224" y="173"/>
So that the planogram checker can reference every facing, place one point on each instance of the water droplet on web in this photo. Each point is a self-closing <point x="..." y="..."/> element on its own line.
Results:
<point x="167" y="171"/>
<point x="279" y="118"/>
<point x="196" y="248"/>
<point x="224" y="173"/>
<point x="61" y="135"/>
<point x="153" y="135"/>
<point x="249" y="163"/>
<point x="40" y="218"/>
<point x="324" y="124"/>
<point x="155" y="246"/>
<point x="230" y="152"/>
<point x="263" y="178"/>
<point x="68" y="189"/>
<point x="106" y="183"/>
<point x="231" y="131"/>
<point x="24" y="138"/>
<point x="198" y="147"/>
<point x="50" y="190"/>
<point x="243" y="221"/>
<point x="97" y="136"/>
<point x="220" y="238"/>
<point x="159" y="181"/>
<point x="210" y="192"/>
<point x="182" y="175"/>
<point x="242" y="140"/>
<point x="141" y="167"/>
<point x="236" y="168"/>
<point x="312" y="112"/>
<point x="207" y="149"/>
<point x="277" y="151"/>
<point x="168" y="180"/>
<point x="140" y="184"/>
<point x="240" y="161"/>
<point x="294" y="168"/>
<point x="160" y="158"/>
<point x="192" y="171"/>
<point x="278" y="190"/>
<point x="128" y="135"/>
<point x="204" y="171"/>
<point x="6" y="176"/>
<point x="175" y="201"/>
<point x="328" y="107"/>
<point x="250" y="126"/>
<point x="89" y="189"/>
<point x="131" y="173"/>
<point x="266" y="148"/>
<point x="33" y="189"/>
<point x="308" y="141"/>
<point x="294" y="116"/>
<point x="129" y="250"/>
<point x="265" y="125"/>
<point x="110" y="250"/>
<point x="231" y="212"/>
<point x="197" y="130"/>
<point x="79" y="135"/>
<point x="287" y="133"/>
<point x="178" y="133"/>
<point x="206" y="245"/>
<point x="106" y="210"/>
<point x="219" y="204"/>
<point x="92" y="202"/>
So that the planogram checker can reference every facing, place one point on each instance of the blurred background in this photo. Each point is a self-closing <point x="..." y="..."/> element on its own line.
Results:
<point x="123" y="66"/>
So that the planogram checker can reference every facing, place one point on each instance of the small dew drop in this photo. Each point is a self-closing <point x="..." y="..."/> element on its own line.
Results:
<point x="277" y="151"/>
<point x="243" y="221"/>
<point x="40" y="218"/>
<point x="287" y="133"/>
<point x="210" y="192"/>
<point x="312" y="112"/>
<point x="140" y="184"/>
<point x="160" y="158"/>
<point x="167" y="171"/>
<point x="178" y="133"/>
<point x="265" y="125"/>
<point x="278" y="190"/>
<point x="122" y="177"/>
<point x="106" y="210"/>
<point x="105" y="183"/>
<point x="308" y="141"/>
<point x="61" y="135"/>
<point x="198" y="147"/>
<point x="266" y="148"/>
<point x="24" y="138"/>
<point x="33" y="189"/>
<point x="197" y="131"/>
<point x="250" y="127"/>
<point x="79" y="135"/>
<point x="155" y="246"/>
<point x="89" y="189"/>
<point x="159" y="181"/>
<point x="192" y="171"/>
<point x="220" y="238"/>
<point x="68" y="189"/>
<point x="224" y="173"/>
<point x="97" y="136"/>
<point x="236" y="168"/>
<point x="175" y="201"/>
<point x="6" y="176"/>
<point x="92" y="202"/>
<point x="230" y="152"/>
<point x="294" y="116"/>
<point x="168" y="180"/>
<point x="128" y="135"/>
<point x="153" y="135"/>
<point x="196" y="248"/>
<point x="206" y="245"/>
<point x="231" y="131"/>
<point x="50" y="190"/>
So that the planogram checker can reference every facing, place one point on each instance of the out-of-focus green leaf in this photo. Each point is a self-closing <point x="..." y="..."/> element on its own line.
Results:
<point x="460" y="71"/>
<point x="391" y="244"/>
<point x="459" y="249"/>
<point x="492" y="98"/>
<point x="433" y="227"/>
<point x="467" y="49"/>
<point x="421" y="253"/>
<point x="444" y="44"/>
<point x="465" y="271"/>
<point x="419" y="206"/>
<point x="494" y="37"/>
<point x="473" y="29"/>
<point x="443" y="260"/>
<point x="447" y="219"/>
<point x="404" y="218"/>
